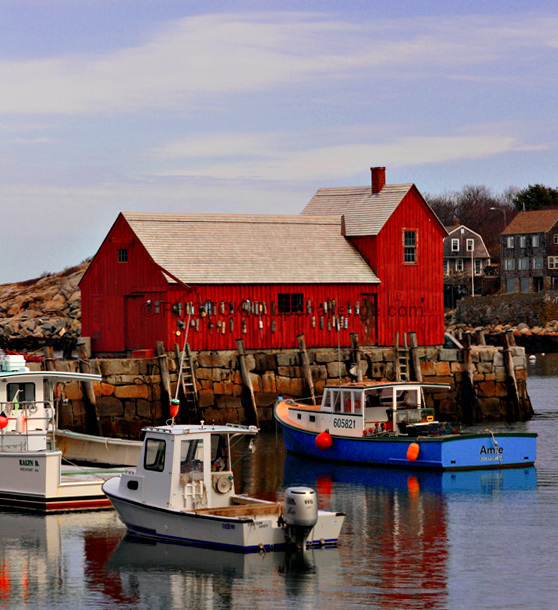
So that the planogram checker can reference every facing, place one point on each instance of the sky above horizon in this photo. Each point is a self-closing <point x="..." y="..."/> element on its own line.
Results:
<point x="249" y="107"/>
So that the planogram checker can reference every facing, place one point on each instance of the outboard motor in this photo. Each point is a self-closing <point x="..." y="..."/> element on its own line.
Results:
<point x="300" y="514"/>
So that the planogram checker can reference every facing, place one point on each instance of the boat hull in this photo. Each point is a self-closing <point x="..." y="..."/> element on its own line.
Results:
<point x="106" y="451"/>
<point x="37" y="481"/>
<point x="451" y="452"/>
<point x="243" y="534"/>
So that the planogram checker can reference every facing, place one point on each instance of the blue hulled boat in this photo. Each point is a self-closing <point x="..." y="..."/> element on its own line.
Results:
<point x="390" y="424"/>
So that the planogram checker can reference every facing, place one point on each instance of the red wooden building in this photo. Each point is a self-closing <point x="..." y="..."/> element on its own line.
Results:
<point x="358" y="260"/>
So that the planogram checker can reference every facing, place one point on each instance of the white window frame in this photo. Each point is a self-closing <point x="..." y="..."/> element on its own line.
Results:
<point x="523" y="264"/>
<point x="538" y="262"/>
<point x="454" y="244"/>
<point x="470" y="245"/>
<point x="509" y="242"/>
<point x="535" y="241"/>
<point x="555" y="238"/>
<point x="446" y="266"/>
<point x="509" y="264"/>
<point x="459" y="265"/>
<point x="478" y="266"/>
<point x="553" y="262"/>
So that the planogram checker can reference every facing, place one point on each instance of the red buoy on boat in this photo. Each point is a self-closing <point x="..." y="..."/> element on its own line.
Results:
<point x="175" y="404"/>
<point x="413" y="452"/>
<point x="3" y="420"/>
<point x="323" y="441"/>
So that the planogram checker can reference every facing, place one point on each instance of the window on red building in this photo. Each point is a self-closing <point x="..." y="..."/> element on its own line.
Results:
<point x="410" y="246"/>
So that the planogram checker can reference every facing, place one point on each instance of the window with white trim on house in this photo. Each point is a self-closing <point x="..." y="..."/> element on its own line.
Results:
<point x="478" y="266"/>
<point x="509" y="242"/>
<point x="553" y="262"/>
<point x="509" y="264"/>
<point x="535" y="241"/>
<point x="470" y="245"/>
<point x="555" y="238"/>
<point x="409" y="246"/>
<point x="454" y="245"/>
<point x="522" y="241"/>
<point x="446" y="266"/>
<point x="459" y="264"/>
<point x="523" y="263"/>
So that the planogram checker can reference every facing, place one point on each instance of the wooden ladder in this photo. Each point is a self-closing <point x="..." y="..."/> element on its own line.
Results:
<point x="402" y="360"/>
<point x="188" y="386"/>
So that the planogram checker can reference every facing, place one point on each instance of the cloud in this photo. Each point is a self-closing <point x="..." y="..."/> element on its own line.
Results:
<point x="230" y="156"/>
<point x="190" y="61"/>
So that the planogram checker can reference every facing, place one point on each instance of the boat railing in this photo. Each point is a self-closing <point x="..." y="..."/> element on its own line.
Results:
<point x="29" y="420"/>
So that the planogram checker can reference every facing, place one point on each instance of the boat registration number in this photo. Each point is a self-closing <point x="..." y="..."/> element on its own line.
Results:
<point x="341" y="422"/>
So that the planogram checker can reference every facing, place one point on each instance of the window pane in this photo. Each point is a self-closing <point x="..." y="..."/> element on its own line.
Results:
<point x="154" y="455"/>
<point x="410" y="238"/>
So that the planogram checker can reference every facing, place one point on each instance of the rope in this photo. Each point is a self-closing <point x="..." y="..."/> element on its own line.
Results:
<point x="495" y="443"/>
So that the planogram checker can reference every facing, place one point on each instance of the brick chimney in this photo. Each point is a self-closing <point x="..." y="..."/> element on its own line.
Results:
<point x="378" y="178"/>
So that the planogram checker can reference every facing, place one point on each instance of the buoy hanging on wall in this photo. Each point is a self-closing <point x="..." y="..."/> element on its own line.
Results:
<point x="413" y="452"/>
<point x="324" y="441"/>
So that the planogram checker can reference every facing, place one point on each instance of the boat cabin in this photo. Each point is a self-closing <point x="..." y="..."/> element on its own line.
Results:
<point x="27" y="402"/>
<point x="185" y="467"/>
<point x="368" y="407"/>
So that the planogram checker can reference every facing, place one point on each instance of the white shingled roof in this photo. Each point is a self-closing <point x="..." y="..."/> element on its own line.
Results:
<point x="236" y="249"/>
<point x="365" y="212"/>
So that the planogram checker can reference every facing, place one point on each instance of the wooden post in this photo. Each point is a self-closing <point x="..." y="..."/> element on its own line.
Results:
<point x="164" y="370"/>
<point x="355" y="348"/>
<point x="481" y="339"/>
<point x="92" y="420"/>
<point x="306" y="370"/>
<point x="396" y="358"/>
<point x="510" y="371"/>
<point x="252" y="415"/>
<point x="48" y="351"/>
<point x="415" y="356"/>
<point x="470" y="402"/>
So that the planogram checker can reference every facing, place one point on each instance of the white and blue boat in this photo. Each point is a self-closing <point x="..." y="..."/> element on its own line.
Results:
<point x="391" y="424"/>
<point x="182" y="491"/>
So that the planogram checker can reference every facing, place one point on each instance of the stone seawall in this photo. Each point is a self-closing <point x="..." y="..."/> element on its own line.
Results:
<point x="131" y="394"/>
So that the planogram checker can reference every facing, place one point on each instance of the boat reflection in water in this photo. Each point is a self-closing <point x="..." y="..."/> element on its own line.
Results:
<point x="195" y="573"/>
<point x="321" y="474"/>
<point x="401" y="525"/>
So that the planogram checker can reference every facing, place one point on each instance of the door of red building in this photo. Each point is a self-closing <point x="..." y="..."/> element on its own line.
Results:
<point x="368" y="319"/>
<point x="145" y="321"/>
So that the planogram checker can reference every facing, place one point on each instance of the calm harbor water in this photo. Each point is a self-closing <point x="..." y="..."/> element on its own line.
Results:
<point x="411" y="540"/>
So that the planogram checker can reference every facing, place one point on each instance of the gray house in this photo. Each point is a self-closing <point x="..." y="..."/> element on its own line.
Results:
<point x="529" y="246"/>
<point x="465" y="254"/>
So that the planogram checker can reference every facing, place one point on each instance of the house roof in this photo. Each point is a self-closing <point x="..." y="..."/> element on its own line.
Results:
<point x="536" y="221"/>
<point x="480" y="249"/>
<point x="365" y="212"/>
<point x="235" y="249"/>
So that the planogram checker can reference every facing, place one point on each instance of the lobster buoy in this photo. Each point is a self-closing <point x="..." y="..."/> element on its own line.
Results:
<point x="413" y="452"/>
<point x="3" y="420"/>
<point x="324" y="441"/>
<point x="174" y="407"/>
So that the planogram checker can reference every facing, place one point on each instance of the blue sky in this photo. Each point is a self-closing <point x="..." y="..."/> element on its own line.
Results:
<point x="249" y="107"/>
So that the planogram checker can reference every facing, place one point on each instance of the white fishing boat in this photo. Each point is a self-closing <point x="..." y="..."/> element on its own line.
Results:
<point x="32" y="473"/>
<point x="183" y="491"/>
<point x="103" y="450"/>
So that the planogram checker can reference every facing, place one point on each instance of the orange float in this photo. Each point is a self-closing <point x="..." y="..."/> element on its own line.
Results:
<point x="413" y="452"/>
